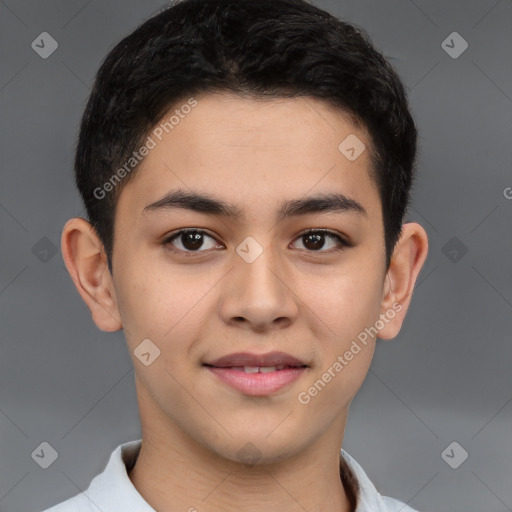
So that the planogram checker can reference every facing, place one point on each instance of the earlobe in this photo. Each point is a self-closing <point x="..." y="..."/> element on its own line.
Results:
<point x="86" y="262"/>
<point x="406" y="262"/>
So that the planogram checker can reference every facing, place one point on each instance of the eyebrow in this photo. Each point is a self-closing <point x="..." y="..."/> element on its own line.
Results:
<point x="202" y="203"/>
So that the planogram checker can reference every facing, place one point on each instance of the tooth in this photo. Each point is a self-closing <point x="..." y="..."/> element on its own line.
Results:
<point x="266" y="369"/>
<point x="280" y="367"/>
<point x="250" y="369"/>
<point x="238" y="368"/>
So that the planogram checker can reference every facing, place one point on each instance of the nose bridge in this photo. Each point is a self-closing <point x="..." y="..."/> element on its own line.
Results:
<point x="261" y="275"/>
<point x="257" y="291"/>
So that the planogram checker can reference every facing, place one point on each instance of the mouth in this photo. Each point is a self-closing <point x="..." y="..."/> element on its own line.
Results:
<point x="257" y="374"/>
<point x="248" y="360"/>
<point x="257" y="369"/>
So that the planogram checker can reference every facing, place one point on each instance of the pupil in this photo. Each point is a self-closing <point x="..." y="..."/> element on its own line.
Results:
<point x="192" y="240"/>
<point x="318" y="240"/>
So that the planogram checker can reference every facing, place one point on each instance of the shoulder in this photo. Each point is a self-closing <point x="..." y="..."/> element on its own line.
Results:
<point x="78" y="503"/>
<point x="396" y="506"/>
<point x="111" y="490"/>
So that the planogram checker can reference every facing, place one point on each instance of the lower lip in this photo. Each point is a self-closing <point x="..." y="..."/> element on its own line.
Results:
<point x="258" y="384"/>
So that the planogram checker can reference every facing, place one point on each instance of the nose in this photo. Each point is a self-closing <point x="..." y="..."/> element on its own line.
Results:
<point x="259" y="296"/>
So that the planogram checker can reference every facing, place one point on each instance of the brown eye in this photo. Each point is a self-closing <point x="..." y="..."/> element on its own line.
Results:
<point x="314" y="240"/>
<point x="190" y="240"/>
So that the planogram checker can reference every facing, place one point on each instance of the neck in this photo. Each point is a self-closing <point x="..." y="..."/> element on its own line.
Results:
<point x="173" y="472"/>
<point x="169" y="479"/>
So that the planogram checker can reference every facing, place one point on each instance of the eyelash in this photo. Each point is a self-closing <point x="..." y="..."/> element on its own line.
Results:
<point x="167" y="242"/>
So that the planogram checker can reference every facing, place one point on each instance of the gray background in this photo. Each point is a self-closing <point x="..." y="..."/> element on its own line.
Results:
<point x="445" y="378"/>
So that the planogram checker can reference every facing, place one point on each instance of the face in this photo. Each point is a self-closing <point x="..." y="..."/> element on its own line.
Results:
<point x="250" y="311"/>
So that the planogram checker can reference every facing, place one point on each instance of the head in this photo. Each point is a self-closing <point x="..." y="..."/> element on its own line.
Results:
<point x="262" y="49"/>
<point x="239" y="110"/>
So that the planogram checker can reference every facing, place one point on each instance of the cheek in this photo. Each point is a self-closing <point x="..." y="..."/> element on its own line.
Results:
<point x="161" y="305"/>
<point x="345" y="349"/>
<point x="346" y="302"/>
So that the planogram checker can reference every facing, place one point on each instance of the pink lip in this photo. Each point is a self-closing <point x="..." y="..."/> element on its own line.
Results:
<point x="229" y="369"/>
<point x="258" y="384"/>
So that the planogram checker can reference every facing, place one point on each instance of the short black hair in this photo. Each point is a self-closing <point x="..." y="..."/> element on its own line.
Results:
<point x="255" y="48"/>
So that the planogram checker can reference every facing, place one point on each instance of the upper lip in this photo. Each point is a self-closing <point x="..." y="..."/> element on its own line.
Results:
<point x="248" y="359"/>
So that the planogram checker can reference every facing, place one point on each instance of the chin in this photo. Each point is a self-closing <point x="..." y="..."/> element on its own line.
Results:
<point x="258" y="448"/>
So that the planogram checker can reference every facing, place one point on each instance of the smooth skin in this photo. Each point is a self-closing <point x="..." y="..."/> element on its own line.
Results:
<point x="310" y="301"/>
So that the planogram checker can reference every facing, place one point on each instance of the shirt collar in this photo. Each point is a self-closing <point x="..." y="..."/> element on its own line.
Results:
<point x="113" y="487"/>
<point x="368" y="498"/>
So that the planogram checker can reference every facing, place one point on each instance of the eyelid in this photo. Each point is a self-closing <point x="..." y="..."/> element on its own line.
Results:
<point x="344" y="239"/>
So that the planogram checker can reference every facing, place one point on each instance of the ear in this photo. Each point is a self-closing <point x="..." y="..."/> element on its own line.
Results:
<point x="86" y="261"/>
<point x="406" y="262"/>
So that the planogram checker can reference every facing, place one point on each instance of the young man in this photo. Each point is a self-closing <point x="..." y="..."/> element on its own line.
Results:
<point x="246" y="166"/>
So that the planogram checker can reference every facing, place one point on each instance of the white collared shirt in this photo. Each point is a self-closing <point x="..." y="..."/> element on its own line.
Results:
<point x="113" y="491"/>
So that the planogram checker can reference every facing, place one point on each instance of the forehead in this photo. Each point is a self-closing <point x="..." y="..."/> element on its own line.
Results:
<point x="253" y="154"/>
